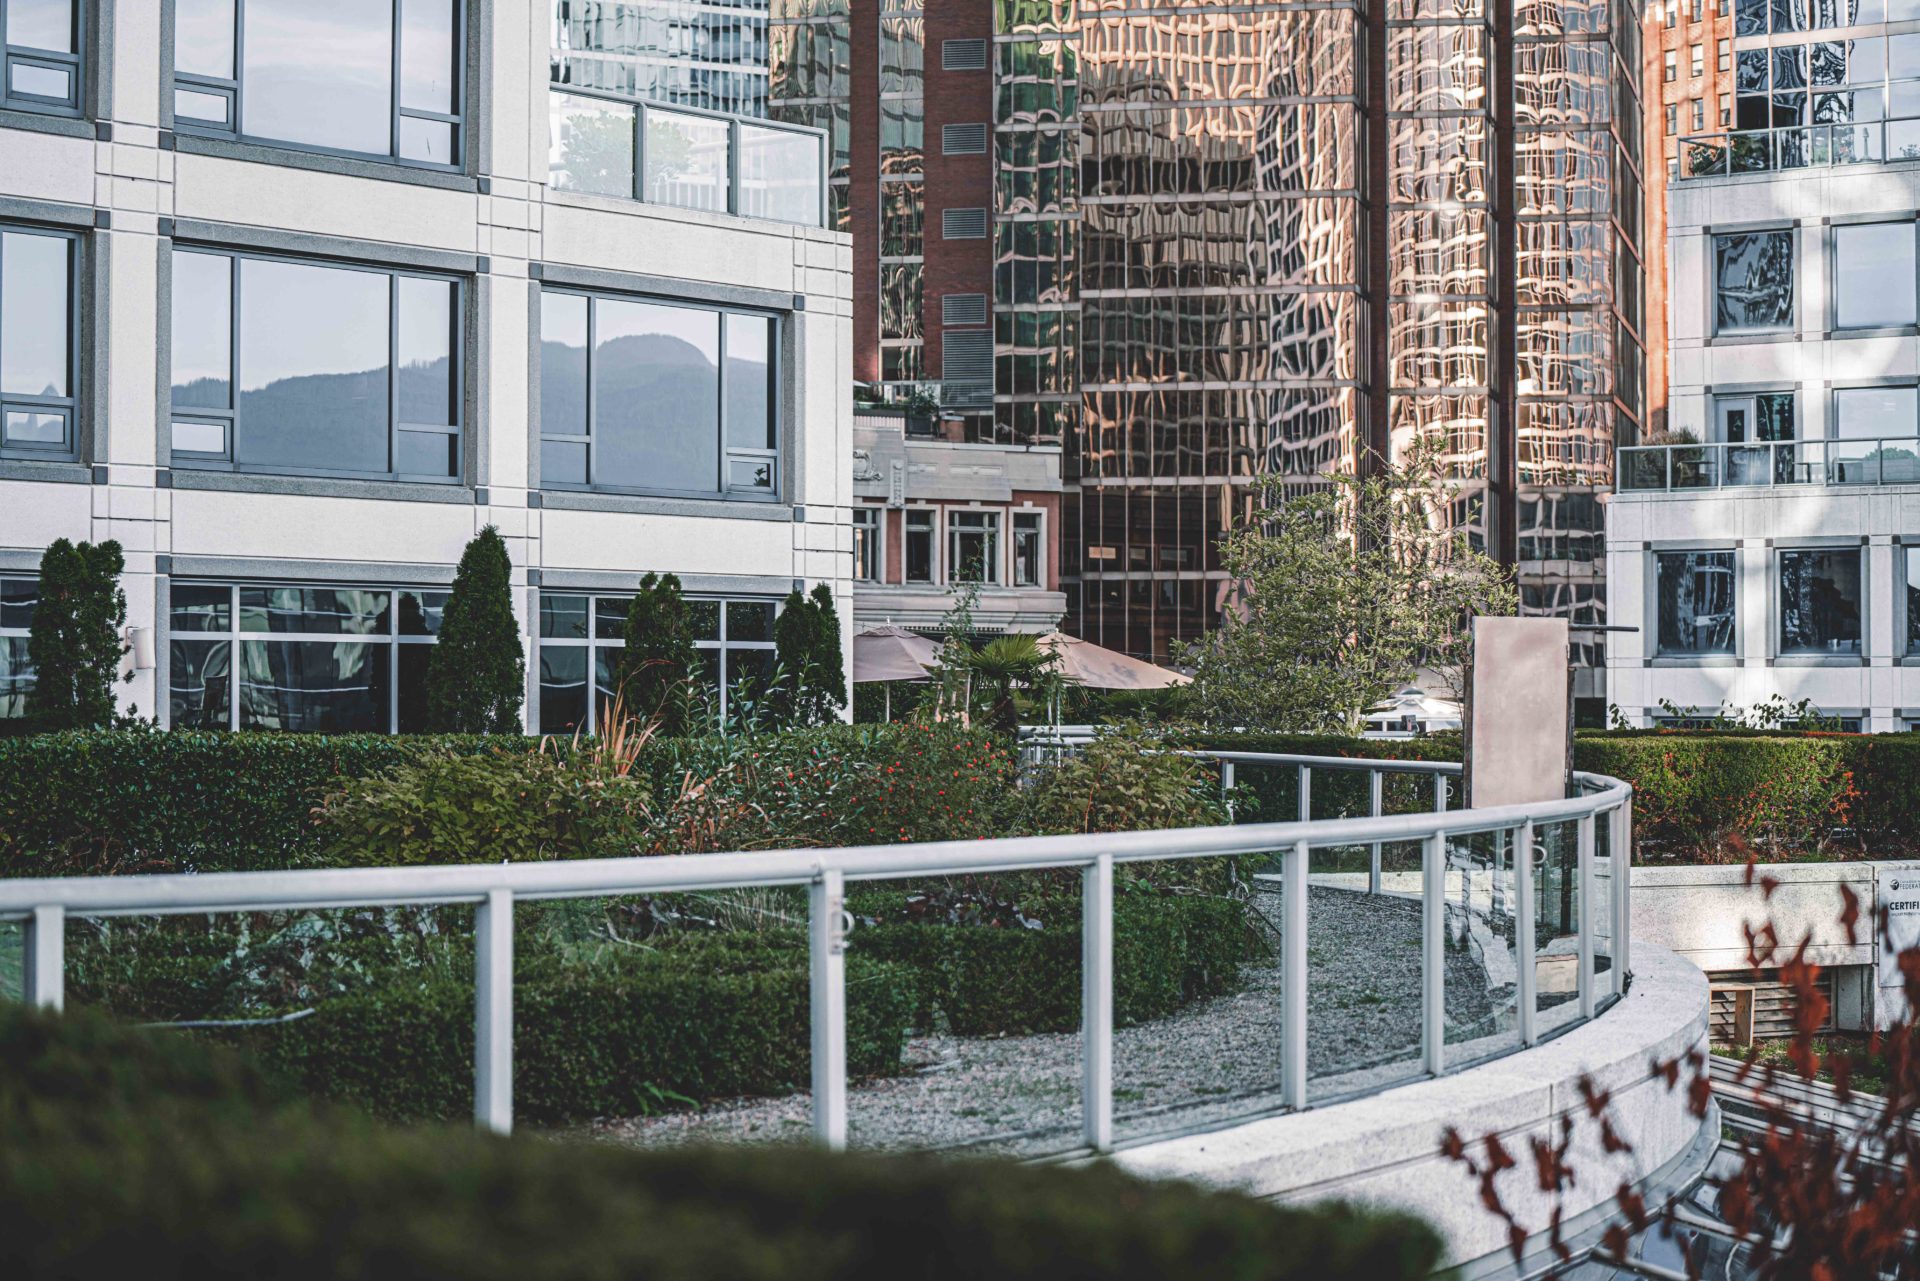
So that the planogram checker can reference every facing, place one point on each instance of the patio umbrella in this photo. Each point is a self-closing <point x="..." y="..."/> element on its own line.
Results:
<point x="1085" y="663"/>
<point x="891" y="654"/>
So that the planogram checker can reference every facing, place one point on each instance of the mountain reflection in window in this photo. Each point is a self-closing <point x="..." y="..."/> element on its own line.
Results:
<point x="1753" y="279"/>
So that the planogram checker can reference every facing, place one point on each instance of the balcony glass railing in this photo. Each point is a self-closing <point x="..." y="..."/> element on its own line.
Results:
<point x="1799" y="147"/>
<point x="606" y="145"/>
<point x="1882" y="461"/>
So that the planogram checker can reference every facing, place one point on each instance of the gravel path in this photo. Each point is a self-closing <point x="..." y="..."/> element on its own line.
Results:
<point x="1210" y="1062"/>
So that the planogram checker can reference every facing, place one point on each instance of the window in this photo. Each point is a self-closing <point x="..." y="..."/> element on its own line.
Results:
<point x="1696" y="10"/>
<point x="1699" y="114"/>
<point x="1671" y="62"/>
<point x="1723" y="54"/>
<point x="1726" y="110"/>
<point x="734" y="639"/>
<point x="17" y="599"/>
<point x="1753" y="281"/>
<point x="1696" y="595"/>
<point x="866" y="544"/>
<point x="1673" y="118"/>
<point x="314" y="659"/>
<point x="1672" y="12"/>
<point x="1912" y="585"/>
<point x="1873" y="275"/>
<point x="1875" y="413"/>
<point x="647" y="396"/>
<point x="1697" y="60"/>
<point x="920" y="546"/>
<point x="324" y="77"/>
<point x="40" y="56"/>
<point x="1820" y="602"/>
<point x="305" y="368"/>
<point x="973" y="547"/>
<point x="37" y="341"/>
<point x="1027" y="552"/>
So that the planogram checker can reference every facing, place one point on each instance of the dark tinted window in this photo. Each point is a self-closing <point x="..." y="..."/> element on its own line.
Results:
<point x="1820" y="602"/>
<point x="1753" y="273"/>
<point x="1696" y="591"/>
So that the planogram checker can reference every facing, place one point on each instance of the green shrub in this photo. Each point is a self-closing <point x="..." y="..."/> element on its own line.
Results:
<point x="1126" y="780"/>
<point x="1004" y="978"/>
<point x="477" y="674"/>
<point x="130" y="1152"/>
<point x="655" y="666"/>
<point x="75" y="636"/>
<point x="811" y="663"/>
<point x="505" y="805"/>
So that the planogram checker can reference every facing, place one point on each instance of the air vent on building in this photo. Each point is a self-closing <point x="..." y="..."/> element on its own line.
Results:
<point x="963" y="309"/>
<point x="963" y="55"/>
<point x="966" y="356"/>
<point x="963" y="224"/>
<point x="963" y="140"/>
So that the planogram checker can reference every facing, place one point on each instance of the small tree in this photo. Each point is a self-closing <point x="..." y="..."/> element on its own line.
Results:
<point x="477" y="674"/>
<point x="656" y="664"/>
<point x="1344" y="594"/>
<point x="75" y="640"/>
<point x="812" y="667"/>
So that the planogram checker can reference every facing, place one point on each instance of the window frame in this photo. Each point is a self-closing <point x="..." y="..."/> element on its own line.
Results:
<point x="1694" y="657"/>
<point x="235" y="635"/>
<point x="75" y="64"/>
<point x="234" y="92"/>
<point x="593" y="642"/>
<point x="776" y="399"/>
<point x="991" y="526"/>
<point x="70" y="406"/>
<point x="21" y="634"/>
<point x="1833" y="275"/>
<point x="1777" y="621"/>
<point x="935" y="568"/>
<point x="868" y="564"/>
<point x="230" y="417"/>
<point x="1038" y="517"/>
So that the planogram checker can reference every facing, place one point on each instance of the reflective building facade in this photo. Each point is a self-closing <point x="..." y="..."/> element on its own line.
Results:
<point x="711" y="54"/>
<point x="1240" y="239"/>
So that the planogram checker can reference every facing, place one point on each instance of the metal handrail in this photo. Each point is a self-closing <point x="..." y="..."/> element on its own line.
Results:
<point x="1818" y="146"/>
<point x="735" y="181"/>
<point x="44" y="904"/>
<point x="1848" y="460"/>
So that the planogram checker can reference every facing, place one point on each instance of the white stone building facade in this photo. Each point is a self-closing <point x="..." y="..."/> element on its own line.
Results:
<point x="384" y="288"/>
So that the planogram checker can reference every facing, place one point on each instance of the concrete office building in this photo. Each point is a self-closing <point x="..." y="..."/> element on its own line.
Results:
<point x="1222" y="241"/>
<point x="296" y="298"/>
<point x="1775" y="551"/>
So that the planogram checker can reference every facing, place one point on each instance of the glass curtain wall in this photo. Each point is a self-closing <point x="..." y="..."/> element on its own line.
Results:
<point x="710" y="54"/>
<point x="810" y="70"/>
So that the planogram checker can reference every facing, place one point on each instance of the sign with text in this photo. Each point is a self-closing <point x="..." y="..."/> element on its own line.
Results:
<point x="1896" y="892"/>
<point x="1518" y="716"/>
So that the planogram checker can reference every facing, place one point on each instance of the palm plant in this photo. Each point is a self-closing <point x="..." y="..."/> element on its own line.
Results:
<point x="1009" y="663"/>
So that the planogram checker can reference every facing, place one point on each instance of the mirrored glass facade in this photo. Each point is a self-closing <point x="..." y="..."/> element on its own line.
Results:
<point x="711" y="54"/>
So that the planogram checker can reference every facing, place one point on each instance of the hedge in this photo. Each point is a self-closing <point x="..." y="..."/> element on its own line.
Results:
<point x="1168" y="949"/>
<point x="1784" y="796"/>
<point x="132" y="1153"/>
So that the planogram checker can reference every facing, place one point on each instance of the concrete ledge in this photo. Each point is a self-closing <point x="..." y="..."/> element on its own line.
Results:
<point x="1384" y="1150"/>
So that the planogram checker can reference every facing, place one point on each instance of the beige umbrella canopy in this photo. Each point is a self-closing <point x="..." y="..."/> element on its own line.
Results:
<point x="892" y="654"/>
<point x="1085" y="663"/>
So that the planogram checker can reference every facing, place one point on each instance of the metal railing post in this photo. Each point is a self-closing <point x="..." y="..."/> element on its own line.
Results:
<point x="1584" y="873"/>
<point x="1525" y="1001"/>
<point x="1439" y="792"/>
<point x="1306" y="793"/>
<point x="1374" y="805"/>
<point x="1623" y="895"/>
<point x="46" y="948"/>
<point x="493" y="1013"/>
<point x="827" y="953"/>
<point x="1226" y="786"/>
<point x="1293" y="980"/>
<point x="1096" y="1003"/>
<point x="1433" y="953"/>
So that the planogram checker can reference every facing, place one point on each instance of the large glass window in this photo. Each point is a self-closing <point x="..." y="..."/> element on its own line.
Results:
<point x="866" y="544"/>
<point x="581" y="637"/>
<point x="1873" y="275"/>
<point x="920" y="546"/>
<point x="364" y="77"/>
<point x="17" y="599"/>
<point x="306" y="368"/>
<point x="1753" y="281"/>
<point x="1911" y="585"/>
<point x="1820" y="602"/>
<point x="657" y="397"/>
<point x="316" y="659"/>
<point x="973" y="547"/>
<point x="1027" y="550"/>
<point x="37" y="344"/>
<point x="40" y="56"/>
<point x="1696" y="602"/>
<point x="1868" y="413"/>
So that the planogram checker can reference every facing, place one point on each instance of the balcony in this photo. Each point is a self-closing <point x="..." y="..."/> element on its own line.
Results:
<point x="1799" y="147"/>
<point x="1665" y="468"/>
<point x="606" y="145"/>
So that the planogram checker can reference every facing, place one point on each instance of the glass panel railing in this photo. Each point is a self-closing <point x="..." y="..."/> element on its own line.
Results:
<point x="689" y="160"/>
<point x="780" y="175"/>
<point x="590" y="147"/>
<point x="1643" y="469"/>
<point x="1867" y="461"/>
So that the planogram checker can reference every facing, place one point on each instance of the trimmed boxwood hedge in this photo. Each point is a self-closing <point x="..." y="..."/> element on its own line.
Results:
<point x="1168" y="949"/>
<point x="146" y="1154"/>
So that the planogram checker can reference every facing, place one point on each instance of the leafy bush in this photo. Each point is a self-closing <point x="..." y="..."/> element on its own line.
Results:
<point x="477" y="674"/>
<point x="1020" y="972"/>
<point x="132" y="1152"/>
<point x="813" y="669"/>
<point x="655" y="665"/>
<point x="75" y="636"/>
<point x="1126" y="780"/>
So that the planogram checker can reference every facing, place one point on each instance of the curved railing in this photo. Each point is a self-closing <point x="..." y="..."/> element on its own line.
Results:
<point x="1511" y="949"/>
